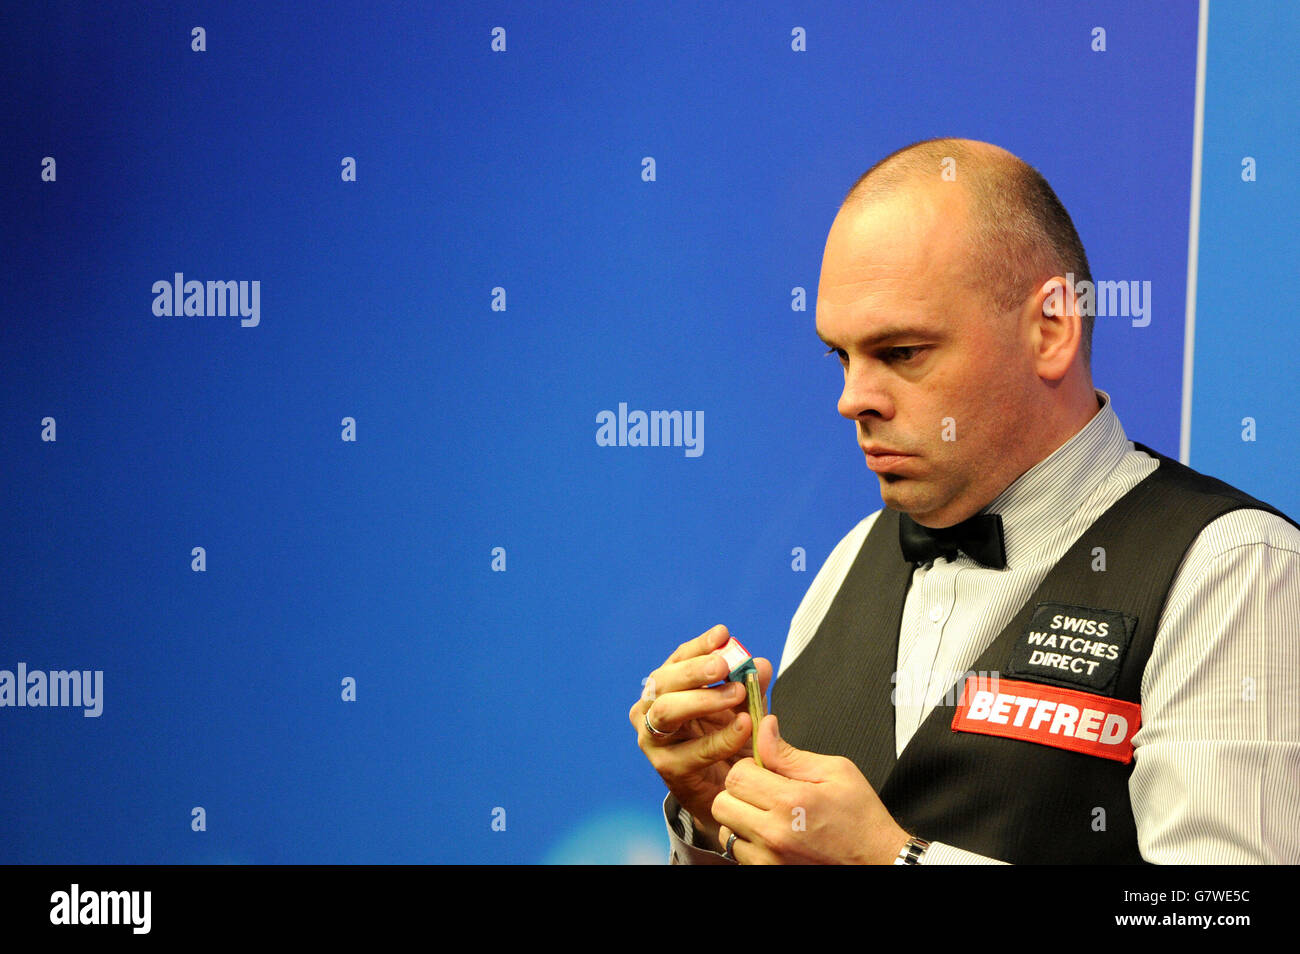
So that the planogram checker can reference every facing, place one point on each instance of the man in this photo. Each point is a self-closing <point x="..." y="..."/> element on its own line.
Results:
<point x="1135" y="620"/>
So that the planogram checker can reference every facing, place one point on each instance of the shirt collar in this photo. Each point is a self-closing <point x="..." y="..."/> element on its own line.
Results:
<point x="1048" y="494"/>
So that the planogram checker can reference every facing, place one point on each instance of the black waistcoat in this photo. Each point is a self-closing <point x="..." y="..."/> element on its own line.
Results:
<point x="1018" y="801"/>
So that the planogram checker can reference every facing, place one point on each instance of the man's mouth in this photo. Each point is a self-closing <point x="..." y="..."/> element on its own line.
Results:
<point x="884" y="460"/>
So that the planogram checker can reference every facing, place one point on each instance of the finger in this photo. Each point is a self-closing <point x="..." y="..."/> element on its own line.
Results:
<point x="745" y="852"/>
<point x="649" y="691"/>
<point x="782" y="758"/>
<point x="764" y="672"/>
<point x="647" y="727"/>
<point x="756" y="786"/>
<point x="741" y="817"/>
<point x="679" y="706"/>
<point x="713" y="638"/>
<point x="749" y="853"/>
<point x="636" y="715"/>
<point x="724" y="835"/>
<point x="694" y="673"/>
<point x="669" y="713"/>
<point x="690" y="755"/>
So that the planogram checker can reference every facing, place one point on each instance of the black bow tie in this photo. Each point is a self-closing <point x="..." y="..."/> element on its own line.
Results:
<point x="980" y="538"/>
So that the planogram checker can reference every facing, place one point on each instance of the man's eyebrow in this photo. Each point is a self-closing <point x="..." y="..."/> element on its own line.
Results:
<point x="889" y="333"/>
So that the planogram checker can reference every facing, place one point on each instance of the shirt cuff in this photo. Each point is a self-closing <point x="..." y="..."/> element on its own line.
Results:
<point x="681" y="835"/>
<point x="940" y="854"/>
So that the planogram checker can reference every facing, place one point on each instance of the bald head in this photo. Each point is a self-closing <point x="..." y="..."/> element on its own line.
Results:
<point x="1017" y="232"/>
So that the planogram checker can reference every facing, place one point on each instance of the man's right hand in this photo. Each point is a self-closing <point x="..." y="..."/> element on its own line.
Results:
<point x="708" y="730"/>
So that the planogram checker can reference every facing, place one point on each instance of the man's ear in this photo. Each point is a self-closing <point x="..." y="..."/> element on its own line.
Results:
<point x="1057" y="327"/>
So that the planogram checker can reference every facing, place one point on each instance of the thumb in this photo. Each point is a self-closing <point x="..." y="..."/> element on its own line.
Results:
<point x="781" y="757"/>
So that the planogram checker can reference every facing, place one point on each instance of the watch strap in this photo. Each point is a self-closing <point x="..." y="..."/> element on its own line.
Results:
<point x="910" y="853"/>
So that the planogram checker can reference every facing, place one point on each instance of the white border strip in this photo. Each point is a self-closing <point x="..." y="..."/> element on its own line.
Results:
<point x="1193" y="237"/>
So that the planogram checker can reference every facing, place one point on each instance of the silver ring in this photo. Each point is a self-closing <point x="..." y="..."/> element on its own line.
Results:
<point x="652" y="730"/>
<point x="726" y="852"/>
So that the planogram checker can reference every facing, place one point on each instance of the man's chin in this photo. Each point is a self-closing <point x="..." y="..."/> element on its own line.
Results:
<point x="906" y="495"/>
<point x="898" y="493"/>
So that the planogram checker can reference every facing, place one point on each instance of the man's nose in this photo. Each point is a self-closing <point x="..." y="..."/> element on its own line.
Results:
<point x="865" y="394"/>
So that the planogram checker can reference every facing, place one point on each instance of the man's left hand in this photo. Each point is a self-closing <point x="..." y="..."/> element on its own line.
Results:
<point x="803" y="808"/>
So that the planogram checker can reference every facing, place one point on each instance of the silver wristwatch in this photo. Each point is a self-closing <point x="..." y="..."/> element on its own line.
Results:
<point x="910" y="853"/>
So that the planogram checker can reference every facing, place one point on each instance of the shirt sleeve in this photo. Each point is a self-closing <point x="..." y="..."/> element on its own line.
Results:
<point x="1216" y="775"/>
<point x="940" y="854"/>
<point x="681" y="835"/>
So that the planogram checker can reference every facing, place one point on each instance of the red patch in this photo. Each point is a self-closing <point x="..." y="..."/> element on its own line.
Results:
<point x="1063" y="718"/>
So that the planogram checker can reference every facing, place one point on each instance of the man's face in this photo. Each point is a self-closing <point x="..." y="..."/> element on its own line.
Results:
<point x="940" y="385"/>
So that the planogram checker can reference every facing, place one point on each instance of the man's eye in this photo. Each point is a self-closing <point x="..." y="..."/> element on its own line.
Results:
<point x="904" y="354"/>
<point x="840" y="352"/>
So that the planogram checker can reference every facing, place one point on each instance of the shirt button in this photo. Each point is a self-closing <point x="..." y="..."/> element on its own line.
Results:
<point x="936" y="613"/>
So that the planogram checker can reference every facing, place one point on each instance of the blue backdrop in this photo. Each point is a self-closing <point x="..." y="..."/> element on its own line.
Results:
<point x="473" y="228"/>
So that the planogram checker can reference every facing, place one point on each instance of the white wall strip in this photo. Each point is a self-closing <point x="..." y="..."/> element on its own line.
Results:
<point x="1193" y="238"/>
